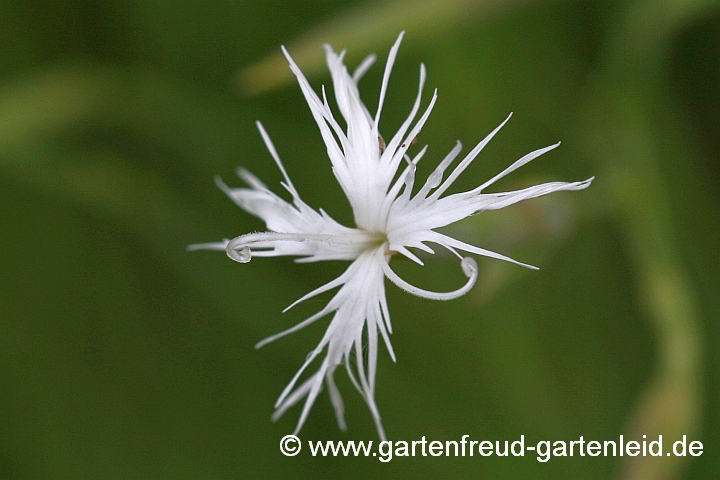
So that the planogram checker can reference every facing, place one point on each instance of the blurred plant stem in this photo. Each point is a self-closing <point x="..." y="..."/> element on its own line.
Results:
<point x="366" y="28"/>
<point x="628" y="103"/>
<point x="671" y="403"/>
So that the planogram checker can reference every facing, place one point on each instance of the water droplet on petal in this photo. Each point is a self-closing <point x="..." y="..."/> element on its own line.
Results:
<point x="435" y="179"/>
<point x="469" y="266"/>
<point x="244" y="255"/>
<point x="410" y="176"/>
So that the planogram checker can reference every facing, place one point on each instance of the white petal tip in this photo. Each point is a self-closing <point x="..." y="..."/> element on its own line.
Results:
<point x="526" y="265"/>
<point x="261" y="344"/>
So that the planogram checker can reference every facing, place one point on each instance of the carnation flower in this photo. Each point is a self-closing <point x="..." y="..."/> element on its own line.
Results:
<point x="389" y="220"/>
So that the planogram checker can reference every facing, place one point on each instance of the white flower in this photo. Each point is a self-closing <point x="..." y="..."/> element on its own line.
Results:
<point x="389" y="220"/>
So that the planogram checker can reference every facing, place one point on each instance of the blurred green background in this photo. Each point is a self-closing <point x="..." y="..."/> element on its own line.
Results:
<point x="124" y="356"/>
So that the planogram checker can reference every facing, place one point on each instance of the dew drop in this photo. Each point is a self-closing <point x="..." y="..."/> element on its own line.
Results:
<point x="244" y="255"/>
<point x="469" y="266"/>
<point x="435" y="179"/>
<point x="410" y="176"/>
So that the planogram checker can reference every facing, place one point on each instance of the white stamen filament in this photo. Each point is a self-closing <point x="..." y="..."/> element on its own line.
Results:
<point x="469" y="268"/>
